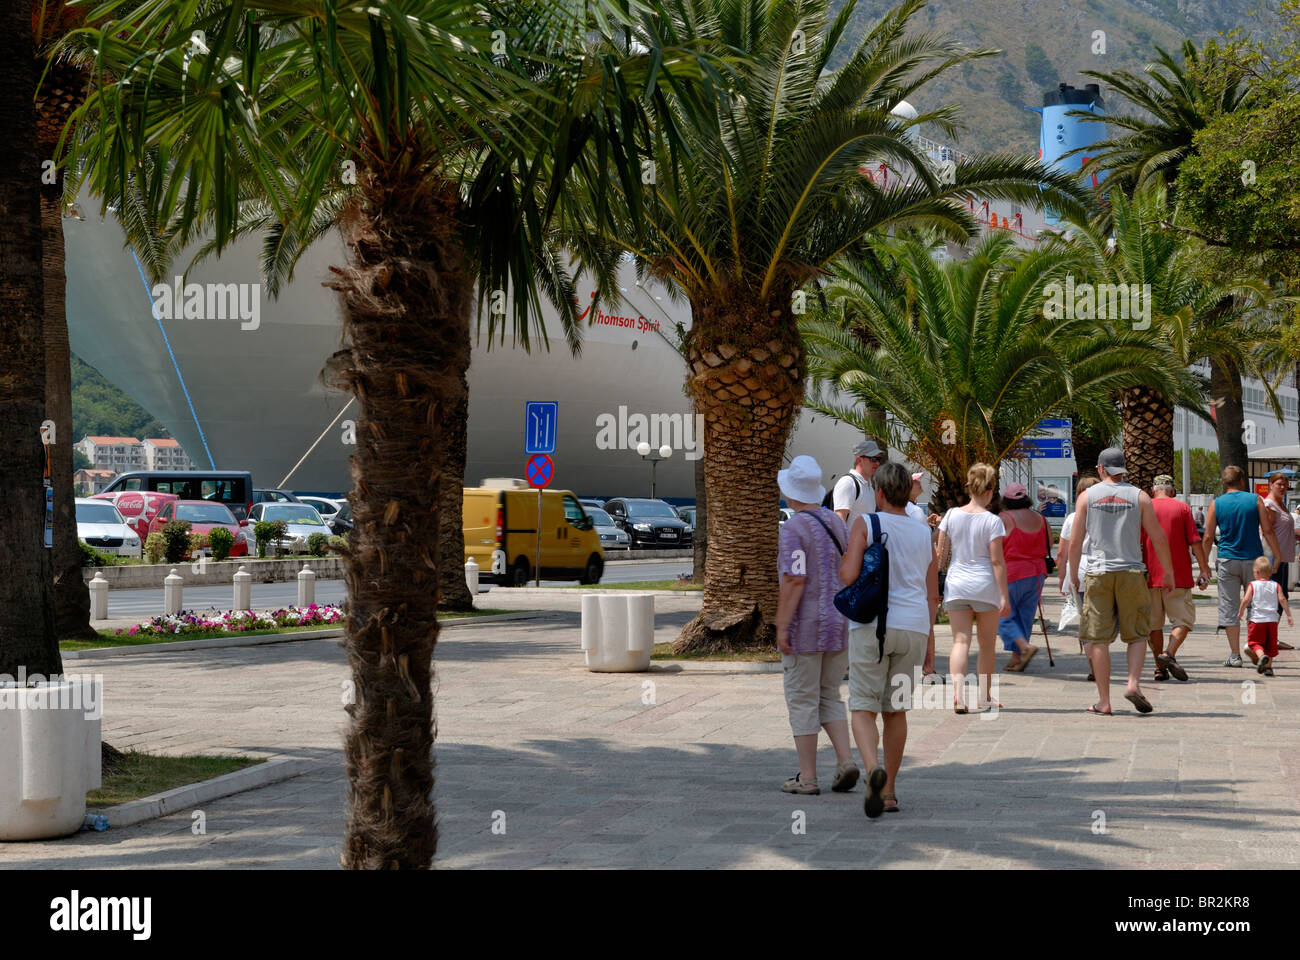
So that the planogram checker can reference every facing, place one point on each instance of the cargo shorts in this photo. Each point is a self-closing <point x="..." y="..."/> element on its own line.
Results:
<point x="1116" y="594"/>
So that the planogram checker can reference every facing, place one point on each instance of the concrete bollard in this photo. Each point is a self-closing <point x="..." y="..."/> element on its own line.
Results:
<point x="172" y="590"/>
<point x="306" y="586"/>
<point x="471" y="576"/>
<point x="617" y="632"/>
<point x="243" y="581"/>
<point x="98" y="597"/>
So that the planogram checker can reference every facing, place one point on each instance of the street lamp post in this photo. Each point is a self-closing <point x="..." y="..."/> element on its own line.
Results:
<point x="663" y="453"/>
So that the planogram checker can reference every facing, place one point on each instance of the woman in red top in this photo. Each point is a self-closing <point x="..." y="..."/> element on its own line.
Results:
<point x="1027" y="544"/>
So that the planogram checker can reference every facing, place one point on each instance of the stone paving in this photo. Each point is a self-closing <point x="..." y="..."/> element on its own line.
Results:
<point x="580" y="772"/>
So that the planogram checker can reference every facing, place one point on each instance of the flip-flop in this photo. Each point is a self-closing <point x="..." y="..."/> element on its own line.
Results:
<point x="1264" y="663"/>
<point x="1015" y="667"/>
<point x="1027" y="656"/>
<point x="1172" y="665"/>
<point x="1100" y="713"/>
<point x="960" y="708"/>
<point x="1139" y="701"/>
<point x="873" y="805"/>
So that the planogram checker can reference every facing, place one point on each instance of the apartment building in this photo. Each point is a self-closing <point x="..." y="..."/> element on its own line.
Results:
<point x="118" y="454"/>
<point x="164" y="453"/>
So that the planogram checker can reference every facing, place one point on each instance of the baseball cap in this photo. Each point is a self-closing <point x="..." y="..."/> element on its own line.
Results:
<point x="1163" y="480"/>
<point x="867" y="448"/>
<point x="1016" y="491"/>
<point x="1112" y="460"/>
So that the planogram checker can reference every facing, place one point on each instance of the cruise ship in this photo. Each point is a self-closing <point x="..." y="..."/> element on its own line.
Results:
<point x="245" y="392"/>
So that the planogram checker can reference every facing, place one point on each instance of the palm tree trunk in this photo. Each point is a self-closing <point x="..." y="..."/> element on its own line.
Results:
<point x="746" y="376"/>
<point x="701" y="535"/>
<point x="950" y="492"/>
<point x="406" y="304"/>
<point x="59" y="97"/>
<point x="27" y="637"/>
<point x="1225" y="395"/>
<point x="453" y="592"/>
<point x="1088" y="445"/>
<point x="1148" y="435"/>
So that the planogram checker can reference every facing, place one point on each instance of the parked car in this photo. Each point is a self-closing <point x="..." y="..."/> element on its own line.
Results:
<point x="649" y="523"/>
<point x="137" y="507"/>
<point x="234" y="488"/>
<point x="204" y="516"/>
<point x="611" y="537"/>
<point x="324" y="506"/>
<point x="500" y="525"/>
<point x="687" y="514"/>
<point x="101" y="526"/>
<point x="273" y="496"/>
<point x="591" y="502"/>
<point x="301" y="519"/>
<point x="342" y="521"/>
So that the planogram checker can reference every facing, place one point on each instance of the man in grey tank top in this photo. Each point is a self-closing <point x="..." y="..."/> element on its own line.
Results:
<point x="1112" y="514"/>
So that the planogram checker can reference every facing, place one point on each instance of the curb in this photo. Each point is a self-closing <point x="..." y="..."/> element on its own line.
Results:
<point x="172" y="801"/>
<point x="260" y="639"/>
<point x="714" y="666"/>
<point x="578" y="592"/>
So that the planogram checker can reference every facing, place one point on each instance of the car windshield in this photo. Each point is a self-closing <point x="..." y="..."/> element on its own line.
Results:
<point x="601" y="518"/>
<point x="296" y="513"/>
<point x="345" y="511"/>
<point x="97" y="513"/>
<point x="650" y="508"/>
<point x="211" y="513"/>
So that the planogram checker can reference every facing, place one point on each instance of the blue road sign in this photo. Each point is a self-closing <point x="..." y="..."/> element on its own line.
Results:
<point x="1055" y="423"/>
<point x="541" y="422"/>
<point x="1048" y="447"/>
<point x="539" y="470"/>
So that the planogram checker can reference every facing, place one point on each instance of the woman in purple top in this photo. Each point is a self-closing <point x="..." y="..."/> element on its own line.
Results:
<point x="812" y="634"/>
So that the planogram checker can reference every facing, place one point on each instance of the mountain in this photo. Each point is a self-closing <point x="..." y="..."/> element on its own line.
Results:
<point x="102" y="410"/>
<point x="1045" y="42"/>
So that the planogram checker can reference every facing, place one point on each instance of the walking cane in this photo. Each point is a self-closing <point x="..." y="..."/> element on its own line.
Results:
<point x="1051" y="662"/>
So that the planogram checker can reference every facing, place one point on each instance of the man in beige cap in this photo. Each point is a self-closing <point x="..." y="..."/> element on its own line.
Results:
<point x="1176" y="520"/>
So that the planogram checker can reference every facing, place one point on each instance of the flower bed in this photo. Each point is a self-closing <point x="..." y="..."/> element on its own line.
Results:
<point x="236" y="621"/>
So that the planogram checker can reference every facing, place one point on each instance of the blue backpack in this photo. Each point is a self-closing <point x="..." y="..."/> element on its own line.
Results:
<point x="867" y="598"/>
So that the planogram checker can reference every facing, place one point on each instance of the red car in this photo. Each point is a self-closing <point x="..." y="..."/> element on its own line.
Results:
<point x="204" y="516"/>
<point x="137" y="507"/>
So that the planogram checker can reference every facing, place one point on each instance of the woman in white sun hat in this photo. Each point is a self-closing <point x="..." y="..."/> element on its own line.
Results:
<point x="811" y="633"/>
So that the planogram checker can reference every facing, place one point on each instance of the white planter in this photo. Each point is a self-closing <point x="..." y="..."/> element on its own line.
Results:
<point x="49" y="755"/>
<point x="618" y="631"/>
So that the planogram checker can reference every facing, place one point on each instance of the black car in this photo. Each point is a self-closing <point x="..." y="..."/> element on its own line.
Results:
<point x="342" y="521"/>
<point x="649" y="523"/>
<point x="273" y="496"/>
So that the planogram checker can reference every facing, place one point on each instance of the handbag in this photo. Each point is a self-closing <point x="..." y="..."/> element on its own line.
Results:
<point x="867" y="598"/>
<point x="1051" y="564"/>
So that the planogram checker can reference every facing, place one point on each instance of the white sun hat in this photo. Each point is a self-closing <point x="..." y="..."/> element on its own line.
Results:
<point x="802" y="481"/>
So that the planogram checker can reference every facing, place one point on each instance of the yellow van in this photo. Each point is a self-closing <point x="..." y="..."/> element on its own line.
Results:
<point x="500" y="521"/>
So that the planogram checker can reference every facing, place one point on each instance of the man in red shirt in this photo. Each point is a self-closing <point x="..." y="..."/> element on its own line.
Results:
<point x="1176" y="520"/>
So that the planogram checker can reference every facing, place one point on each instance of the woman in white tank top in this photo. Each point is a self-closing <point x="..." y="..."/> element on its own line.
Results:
<point x="976" y="587"/>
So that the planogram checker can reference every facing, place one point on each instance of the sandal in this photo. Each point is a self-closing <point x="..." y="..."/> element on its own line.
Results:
<point x="1017" y="667"/>
<point x="1172" y="666"/>
<point x="987" y="705"/>
<point x="1268" y="672"/>
<point x="891" y="802"/>
<point x="795" y="784"/>
<point x="874" y="803"/>
<point x="1100" y="713"/>
<point x="959" y="708"/>
<point x="1143" y="705"/>
<point x="1160" y="675"/>
<point x="1027" y="656"/>
<point x="1264" y="663"/>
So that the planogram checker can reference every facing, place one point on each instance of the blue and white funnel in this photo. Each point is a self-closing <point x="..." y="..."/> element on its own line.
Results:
<point x="1060" y="134"/>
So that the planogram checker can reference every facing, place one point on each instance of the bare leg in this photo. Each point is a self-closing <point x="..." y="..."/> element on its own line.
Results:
<point x="1234" y="639"/>
<point x="961" y="629"/>
<point x="867" y="737"/>
<point x="839" y="734"/>
<point x="1157" y="641"/>
<point x="806" y="747"/>
<point x="988" y="639"/>
<point x="1099" y="660"/>
<point x="1176" y="637"/>
<point x="895" y="741"/>
<point x="1137" y="658"/>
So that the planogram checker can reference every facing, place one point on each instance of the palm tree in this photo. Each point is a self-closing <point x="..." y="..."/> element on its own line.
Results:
<point x="763" y="197"/>
<point x="460" y="150"/>
<point x="962" y="356"/>
<point x="62" y="89"/>
<point x="27" y="639"/>
<point x="1174" y="100"/>
<point x="1192" y="318"/>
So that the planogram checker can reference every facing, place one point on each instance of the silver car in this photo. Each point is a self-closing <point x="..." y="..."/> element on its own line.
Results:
<point x="611" y="537"/>
<point x="301" y="519"/>
<point x="100" y="525"/>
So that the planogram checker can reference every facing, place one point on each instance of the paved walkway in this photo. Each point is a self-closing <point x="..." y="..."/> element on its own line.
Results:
<point x="583" y="773"/>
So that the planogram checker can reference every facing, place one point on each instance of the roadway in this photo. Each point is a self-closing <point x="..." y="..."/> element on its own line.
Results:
<point x="145" y="603"/>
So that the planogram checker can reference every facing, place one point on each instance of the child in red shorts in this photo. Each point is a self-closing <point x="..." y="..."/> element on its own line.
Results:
<point x="1263" y="598"/>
